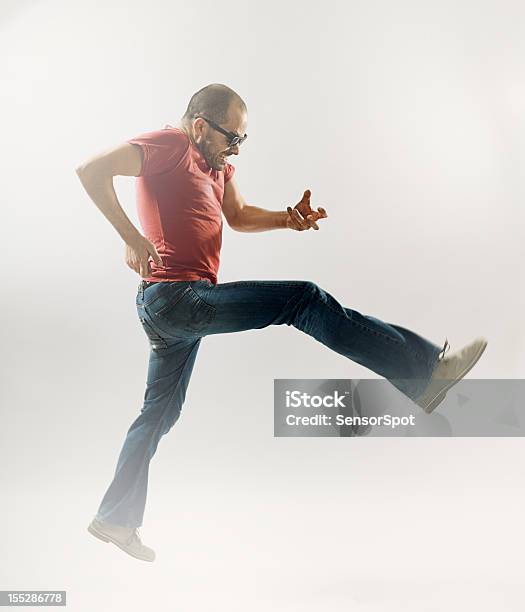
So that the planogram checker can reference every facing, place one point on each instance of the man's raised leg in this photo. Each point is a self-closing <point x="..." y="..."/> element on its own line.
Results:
<point x="396" y="353"/>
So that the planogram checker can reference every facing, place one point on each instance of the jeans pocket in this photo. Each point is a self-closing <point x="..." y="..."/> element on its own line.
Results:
<point x="186" y="313"/>
<point x="161" y="296"/>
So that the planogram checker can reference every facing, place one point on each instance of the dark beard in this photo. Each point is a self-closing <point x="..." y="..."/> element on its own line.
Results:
<point x="204" y="149"/>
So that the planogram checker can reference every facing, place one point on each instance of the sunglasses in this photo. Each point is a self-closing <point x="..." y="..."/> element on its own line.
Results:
<point x="233" y="139"/>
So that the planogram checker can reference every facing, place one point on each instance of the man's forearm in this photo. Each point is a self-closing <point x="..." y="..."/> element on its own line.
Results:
<point x="100" y="189"/>
<point x="254" y="219"/>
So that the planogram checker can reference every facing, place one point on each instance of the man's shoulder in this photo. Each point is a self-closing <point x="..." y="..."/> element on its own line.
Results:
<point x="163" y="149"/>
<point x="165" y="135"/>
<point x="171" y="134"/>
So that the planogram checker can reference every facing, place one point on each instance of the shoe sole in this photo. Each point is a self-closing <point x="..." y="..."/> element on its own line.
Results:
<point x="106" y="538"/>
<point x="434" y="403"/>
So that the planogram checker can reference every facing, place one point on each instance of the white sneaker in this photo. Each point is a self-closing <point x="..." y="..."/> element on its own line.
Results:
<point x="126" y="538"/>
<point x="449" y="371"/>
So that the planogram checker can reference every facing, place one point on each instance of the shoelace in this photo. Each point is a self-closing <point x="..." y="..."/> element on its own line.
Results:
<point x="444" y="350"/>
<point x="135" y="533"/>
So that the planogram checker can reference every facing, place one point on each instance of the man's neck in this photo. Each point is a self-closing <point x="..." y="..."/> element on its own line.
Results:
<point x="188" y="133"/>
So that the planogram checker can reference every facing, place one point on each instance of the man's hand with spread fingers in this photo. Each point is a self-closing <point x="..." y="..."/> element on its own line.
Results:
<point x="302" y="217"/>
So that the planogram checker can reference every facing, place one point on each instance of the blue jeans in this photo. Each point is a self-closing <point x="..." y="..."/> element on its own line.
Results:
<point x="176" y="315"/>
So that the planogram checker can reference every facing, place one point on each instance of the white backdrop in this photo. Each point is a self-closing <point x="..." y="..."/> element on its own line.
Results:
<point x="406" y="120"/>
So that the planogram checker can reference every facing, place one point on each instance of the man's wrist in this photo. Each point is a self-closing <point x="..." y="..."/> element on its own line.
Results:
<point x="130" y="234"/>
<point x="282" y="219"/>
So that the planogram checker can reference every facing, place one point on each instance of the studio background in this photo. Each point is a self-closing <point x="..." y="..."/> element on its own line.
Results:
<point x="406" y="120"/>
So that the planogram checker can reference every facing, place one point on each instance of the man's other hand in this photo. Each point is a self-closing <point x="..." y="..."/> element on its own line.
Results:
<point x="138" y="252"/>
<point x="302" y="217"/>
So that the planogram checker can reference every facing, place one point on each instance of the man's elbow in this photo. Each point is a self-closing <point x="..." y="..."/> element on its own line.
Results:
<point x="237" y="225"/>
<point x="80" y="171"/>
<point x="234" y="222"/>
<point x="91" y="172"/>
<point x="83" y="170"/>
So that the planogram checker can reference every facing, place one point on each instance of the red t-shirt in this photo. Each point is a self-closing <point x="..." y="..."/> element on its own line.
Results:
<point x="179" y="201"/>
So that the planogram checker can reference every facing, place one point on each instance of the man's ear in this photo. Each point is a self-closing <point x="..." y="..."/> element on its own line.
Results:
<point x="198" y="127"/>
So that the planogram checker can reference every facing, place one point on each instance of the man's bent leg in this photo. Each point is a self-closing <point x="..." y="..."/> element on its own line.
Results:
<point x="169" y="372"/>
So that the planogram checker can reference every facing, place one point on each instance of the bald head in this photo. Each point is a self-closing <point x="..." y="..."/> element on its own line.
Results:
<point x="213" y="102"/>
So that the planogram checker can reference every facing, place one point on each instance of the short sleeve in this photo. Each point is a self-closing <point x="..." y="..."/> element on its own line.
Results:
<point x="162" y="150"/>
<point x="229" y="171"/>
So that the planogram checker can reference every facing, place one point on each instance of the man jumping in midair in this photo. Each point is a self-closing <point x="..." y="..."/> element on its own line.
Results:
<point x="184" y="186"/>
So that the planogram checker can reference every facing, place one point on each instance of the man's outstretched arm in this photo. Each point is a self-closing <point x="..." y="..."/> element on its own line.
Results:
<point x="246" y="218"/>
<point x="96" y="175"/>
